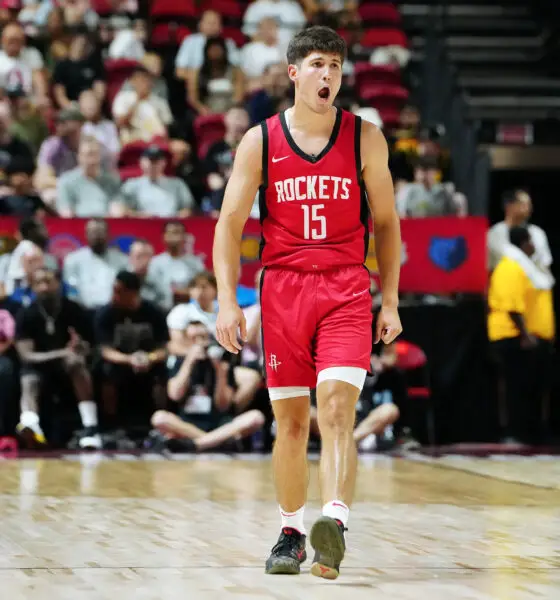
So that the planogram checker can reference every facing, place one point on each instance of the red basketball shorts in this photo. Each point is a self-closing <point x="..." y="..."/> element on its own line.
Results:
<point x="313" y="321"/>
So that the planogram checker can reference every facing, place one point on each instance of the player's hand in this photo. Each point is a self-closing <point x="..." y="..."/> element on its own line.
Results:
<point x="231" y="320"/>
<point x="388" y="325"/>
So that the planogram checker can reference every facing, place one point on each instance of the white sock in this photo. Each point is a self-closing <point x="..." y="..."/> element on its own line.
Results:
<point x="337" y="510"/>
<point x="29" y="418"/>
<point x="294" y="519"/>
<point x="88" y="413"/>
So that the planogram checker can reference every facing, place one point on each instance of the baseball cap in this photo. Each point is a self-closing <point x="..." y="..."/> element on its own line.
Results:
<point x="154" y="153"/>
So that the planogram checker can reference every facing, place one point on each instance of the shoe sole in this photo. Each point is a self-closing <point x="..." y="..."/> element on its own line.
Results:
<point x="326" y="540"/>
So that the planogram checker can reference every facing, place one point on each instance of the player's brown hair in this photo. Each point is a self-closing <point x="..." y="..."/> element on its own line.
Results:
<point x="315" y="39"/>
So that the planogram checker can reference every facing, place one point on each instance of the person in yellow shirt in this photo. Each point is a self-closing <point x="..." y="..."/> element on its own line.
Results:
<point x="521" y="329"/>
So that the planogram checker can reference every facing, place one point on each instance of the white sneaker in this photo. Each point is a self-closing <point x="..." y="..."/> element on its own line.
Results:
<point x="91" y="442"/>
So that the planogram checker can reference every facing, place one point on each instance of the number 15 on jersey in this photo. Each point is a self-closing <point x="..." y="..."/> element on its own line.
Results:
<point x="314" y="223"/>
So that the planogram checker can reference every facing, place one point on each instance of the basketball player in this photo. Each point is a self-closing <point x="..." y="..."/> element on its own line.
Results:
<point x="318" y="169"/>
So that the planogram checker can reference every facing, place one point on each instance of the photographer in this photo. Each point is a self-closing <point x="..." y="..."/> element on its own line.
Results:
<point x="199" y="382"/>
<point x="132" y="334"/>
<point x="50" y="340"/>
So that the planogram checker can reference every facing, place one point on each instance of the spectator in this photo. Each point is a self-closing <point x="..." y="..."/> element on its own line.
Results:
<point x="92" y="269"/>
<point x="266" y="49"/>
<point x="58" y="153"/>
<point x="191" y="52"/>
<point x="199" y="382"/>
<point x="51" y="336"/>
<point x="132" y="335"/>
<point x="427" y="197"/>
<point x="219" y="160"/>
<point x="176" y="267"/>
<point x="153" y="63"/>
<point x="139" y="113"/>
<point x="22" y="65"/>
<point x="20" y="198"/>
<point x="8" y="367"/>
<point x="103" y="130"/>
<point x="276" y="87"/>
<point x="287" y="13"/>
<point x="218" y="84"/>
<point x="11" y="146"/>
<point x="27" y="122"/>
<point x="518" y="208"/>
<point x="129" y="43"/>
<point x="153" y="289"/>
<point x="154" y="194"/>
<point x="82" y="70"/>
<point x="88" y="190"/>
<point x="521" y="328"/>
<point x="202" y="307"/>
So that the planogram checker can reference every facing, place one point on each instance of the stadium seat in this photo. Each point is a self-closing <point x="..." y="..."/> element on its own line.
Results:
<point x="379" y="13"/>
<point x="117" y="72"/>
<point x="373" y="38"/>
<point x="235" y="34"/>
<point x="173" y="9"/>
<point x="384" y="93"/>
<point x="227" y="8"/>
<point x="207" y="130"/>
<point x="366" y="73"/>
<point x="390" y="117"/>
<point x="103" y="8"/>
<point x="169" y="34"/>
<point x="129" y="158"/>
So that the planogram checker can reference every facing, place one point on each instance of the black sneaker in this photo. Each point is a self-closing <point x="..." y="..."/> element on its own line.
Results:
<point x="288" y="553"/>
<point x="327" y="539"/>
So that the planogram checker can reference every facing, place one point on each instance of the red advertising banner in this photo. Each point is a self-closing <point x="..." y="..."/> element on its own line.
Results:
<point x="439" y="255"/>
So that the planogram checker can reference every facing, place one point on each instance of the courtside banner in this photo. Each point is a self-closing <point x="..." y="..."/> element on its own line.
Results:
<point x="439" y="255"/>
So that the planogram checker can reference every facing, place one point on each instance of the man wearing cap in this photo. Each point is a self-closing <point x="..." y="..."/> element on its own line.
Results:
<point x="88" y="191"/>
<point x="139" y="113"/>
<point x="59" y="152"/>
<point x="154" y="194"/>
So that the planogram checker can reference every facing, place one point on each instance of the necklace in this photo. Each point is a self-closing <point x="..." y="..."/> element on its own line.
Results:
<point x="50" y="326"/>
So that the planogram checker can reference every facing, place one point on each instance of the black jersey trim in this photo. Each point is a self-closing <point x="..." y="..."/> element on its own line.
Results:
<point x="263" y="209"/>
<point x="299" y="151"/>
<point x="358" y="147"/>
<point x="364" y="204"/>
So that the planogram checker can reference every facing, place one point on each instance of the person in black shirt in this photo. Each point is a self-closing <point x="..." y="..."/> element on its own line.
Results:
<point x="199" y="382"/>
<point x="52" y="335"/>
<point x="132" y="335"/>
<point x="9" y="373"/>
<point x="10" y="145"/>
<point x="82" y="70"/>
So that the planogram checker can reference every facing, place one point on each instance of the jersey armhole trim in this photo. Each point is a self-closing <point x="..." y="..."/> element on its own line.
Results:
<point x="264" y="130"/>
<point x="358" y="148"/>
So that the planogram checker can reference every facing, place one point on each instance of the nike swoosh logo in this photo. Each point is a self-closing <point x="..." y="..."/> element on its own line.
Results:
<point x="360" y="293"/>
<point x="275" y="160"/>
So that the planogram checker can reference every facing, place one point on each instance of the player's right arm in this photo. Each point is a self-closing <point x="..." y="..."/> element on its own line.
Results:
<point x="241" y="189"/>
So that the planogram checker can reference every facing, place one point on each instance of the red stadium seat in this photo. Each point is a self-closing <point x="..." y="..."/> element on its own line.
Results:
<point x="365" y="73"/>
<point x="117" y="72"/>
<point x="207" y="130"/>
<point x="103" y="8"/>
<point x="384" y="91"/>
<point x="380" y="13"/>
<point x="227" y="8"/>
<point x="174" y="9"/>
<point x="169" y="34"/>
<point x="235" y="34"/>
<point x="373" y="38"/>
<point x="390" y="117"/>
<point x="129" y="158"/>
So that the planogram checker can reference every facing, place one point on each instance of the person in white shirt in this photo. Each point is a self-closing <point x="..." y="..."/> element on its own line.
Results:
<point x="518" y="208"/>
<point x="191" y="52"/>
<point x="154" y="194"/>
<point x="177" y="266"/>
<point x="139" y="113"/>
<point x="21" y="65"/>
<point x="288" y="14"/>
<point x="267" y="49"/>
<point x="103" y="130"/>
<point x="92" y="269"/>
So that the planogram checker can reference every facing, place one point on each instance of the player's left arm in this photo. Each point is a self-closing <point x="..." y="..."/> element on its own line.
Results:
<point x="381" y="199"/>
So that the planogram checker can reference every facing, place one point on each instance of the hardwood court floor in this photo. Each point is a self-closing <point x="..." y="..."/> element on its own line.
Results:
<point x="145" y="529"/>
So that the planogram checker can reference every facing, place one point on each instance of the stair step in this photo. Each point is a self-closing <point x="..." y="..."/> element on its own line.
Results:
<point x="486" y="42"/>
<point x="466" y="10"/>
<point x="511" y="56"/>
<point x="494" y="82"/>
<point x="511" y="101"/>
<point x="513" y="115"/>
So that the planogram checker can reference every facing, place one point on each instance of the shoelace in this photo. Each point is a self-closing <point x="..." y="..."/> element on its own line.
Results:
<point x="287" y="539"/>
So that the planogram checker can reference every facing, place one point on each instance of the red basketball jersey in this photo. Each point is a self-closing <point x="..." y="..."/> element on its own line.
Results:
<point x="314" y="211"/>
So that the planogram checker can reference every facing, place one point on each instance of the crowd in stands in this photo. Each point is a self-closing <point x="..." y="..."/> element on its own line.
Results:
<point x="114" y="108"/>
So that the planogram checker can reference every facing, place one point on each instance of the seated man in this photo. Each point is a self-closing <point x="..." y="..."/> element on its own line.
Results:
<point x="199" y="382"/>
<point x="132" y="335"/>
<point x="373" y="417"/>
<point x="50" y="334"/>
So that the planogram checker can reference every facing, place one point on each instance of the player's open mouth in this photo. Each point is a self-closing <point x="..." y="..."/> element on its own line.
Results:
<point x="324" y="93"/>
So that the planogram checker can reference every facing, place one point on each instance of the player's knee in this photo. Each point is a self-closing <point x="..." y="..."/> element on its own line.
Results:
<point x="336" y="412"/>
<point x="292" y="427"/>
<point x="160" y="419"/>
